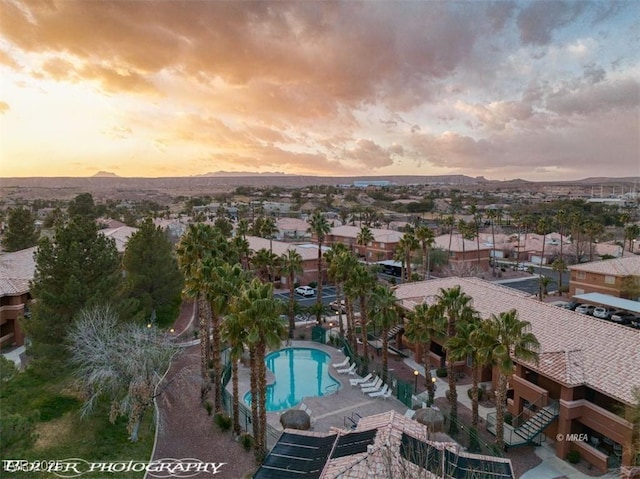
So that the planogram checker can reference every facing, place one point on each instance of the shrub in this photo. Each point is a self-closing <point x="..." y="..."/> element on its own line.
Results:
<point x="222" y="421"/>
<point x="247" y="441"/>
<point x="313" y="284"/>
<point x="441" y="372"/>
<point x="209" y="407"/>
<point x="480" y="393"/>
<point x="573" y="457"/>
<point x="53" y="407"/>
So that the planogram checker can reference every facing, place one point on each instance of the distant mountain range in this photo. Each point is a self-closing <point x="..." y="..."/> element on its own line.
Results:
<point x="105" y="174"/>
<point x="234" y="174"/>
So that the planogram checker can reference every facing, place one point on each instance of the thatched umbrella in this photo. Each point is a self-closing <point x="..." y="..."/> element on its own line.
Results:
<point x="295" y="419"/>
<point x="432" y="418"/>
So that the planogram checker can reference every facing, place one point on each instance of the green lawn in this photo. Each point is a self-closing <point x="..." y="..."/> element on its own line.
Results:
<point x="40" y="421"/>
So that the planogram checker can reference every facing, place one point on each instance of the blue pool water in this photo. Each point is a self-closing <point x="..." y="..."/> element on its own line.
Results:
<point x="299" y="373"/>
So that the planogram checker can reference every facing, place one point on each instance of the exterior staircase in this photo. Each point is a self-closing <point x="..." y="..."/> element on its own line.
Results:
<point x="395" y="330"/>
<point x="533" y="426"/>
<point x="526" y="427"/>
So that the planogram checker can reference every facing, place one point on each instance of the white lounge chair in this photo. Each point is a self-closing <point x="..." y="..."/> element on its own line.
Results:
<point x="410" y="413"/>
<point x="358" y="381"/>
<point x="379" y="393"/>
<point x="342" y="364"/>
<point x="369" y="384"/>
<point x="388" y="394"/>
<point x="374" y="388"/>
<point x="350" y="370"/>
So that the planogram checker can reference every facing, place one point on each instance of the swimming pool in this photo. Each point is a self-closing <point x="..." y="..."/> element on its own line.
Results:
<point x="299" y="373"/>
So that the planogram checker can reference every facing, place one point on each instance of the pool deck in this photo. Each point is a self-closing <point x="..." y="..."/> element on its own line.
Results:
<point x="331" y="410"/>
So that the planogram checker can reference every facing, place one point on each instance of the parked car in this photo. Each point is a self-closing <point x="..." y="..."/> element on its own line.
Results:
<point x="305" y="291"/>
<point x="585" y="309"/>
<point x="635" y="322"/>
<point x="342" y="307"/>
<point x="604" y="313"/>
<point x="572" y="305"/>
<point x="623" y="317"/>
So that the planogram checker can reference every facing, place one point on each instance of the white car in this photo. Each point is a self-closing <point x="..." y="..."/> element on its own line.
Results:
<point x="585" y="309"/>
<point x="604" y="312"/>
<point x="305" y="291"/>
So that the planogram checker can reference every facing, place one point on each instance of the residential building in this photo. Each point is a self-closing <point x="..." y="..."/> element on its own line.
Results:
<point x="309" y="253"/>
<point x="16" y="272"/>
<point x="381" y="248"/>
<point x="464" y="254"/>
<point x="292" y="229"/>
<point x="609" y="276"/>
<point x="586" y="372"/>
<point x="120" y="235"/>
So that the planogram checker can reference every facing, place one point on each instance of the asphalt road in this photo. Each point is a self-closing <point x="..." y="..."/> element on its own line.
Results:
<point x="531" y="285"/>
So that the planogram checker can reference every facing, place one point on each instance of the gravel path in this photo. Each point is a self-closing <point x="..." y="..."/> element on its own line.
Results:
<point x="185" y="430"/>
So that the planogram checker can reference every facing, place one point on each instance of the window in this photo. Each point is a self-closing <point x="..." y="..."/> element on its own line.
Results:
<point x="609" y="280"/>
<point x="581" y="275"/>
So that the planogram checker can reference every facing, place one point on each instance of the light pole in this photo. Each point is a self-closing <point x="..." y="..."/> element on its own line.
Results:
<point x="432" y="390"/>
<point x="416" y="373"/>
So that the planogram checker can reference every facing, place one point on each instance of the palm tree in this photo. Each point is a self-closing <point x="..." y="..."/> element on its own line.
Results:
<point x="268" y="229"/>
<point x="543" y="227"/>
<point x="517" y="222"/>
<point x="320" y="228"/>
<point x="365" y="236"/>
<point x="234" y="333"/>
<point x="544" y="282"/>
<point x="422" y="327"/>
<point x="559" y="266"/>
<point x="593" y="230"/>
<point x="492" y="214"/>
<point x="467" y="344"/>
<point x="426" y="237"/>
<point x="260" y="312"/>
<point x="449" y="222"/>
<point x="383" y="312"/>
<point x="407" y="244"/>
<point x="455" y="306"/>
<point x="225" y="280"/>
<point x="195" y="245"/>
<point x="359" y="286"/>
<point x="340" y="261"/>
<point x="507" y="338"/>
<point x="631" y="232"/>
<point x="243" y="228"/>
<point x="475" y="224"/>
<point x="291" y="263"/>
<point x="241" y="247"/>
<point x="561" y="223"/>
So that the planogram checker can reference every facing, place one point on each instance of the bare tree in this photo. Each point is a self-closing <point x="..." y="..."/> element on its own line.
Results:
<point x="123" y="362"/>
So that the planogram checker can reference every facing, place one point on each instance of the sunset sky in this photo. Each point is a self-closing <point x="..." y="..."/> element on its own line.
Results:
<point x="536" y="90"/>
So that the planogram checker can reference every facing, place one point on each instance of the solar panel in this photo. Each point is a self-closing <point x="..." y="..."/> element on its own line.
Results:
<point x="354" y="443"/>
<point x="296" y="456"/>
<point x="420" y="453"/>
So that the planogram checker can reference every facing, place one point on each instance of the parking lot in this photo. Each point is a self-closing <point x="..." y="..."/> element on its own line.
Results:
<point x="328" y="295"/>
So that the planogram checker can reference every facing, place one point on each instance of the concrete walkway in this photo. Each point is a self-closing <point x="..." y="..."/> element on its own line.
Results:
<point x="551" y="466"/>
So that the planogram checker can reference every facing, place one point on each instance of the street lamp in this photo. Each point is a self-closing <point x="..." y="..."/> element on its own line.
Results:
<point x="416" y="373"/>
<point x="432" y="390"/>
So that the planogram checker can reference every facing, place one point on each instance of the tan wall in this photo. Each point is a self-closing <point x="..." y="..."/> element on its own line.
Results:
<point x="593" y="283"/>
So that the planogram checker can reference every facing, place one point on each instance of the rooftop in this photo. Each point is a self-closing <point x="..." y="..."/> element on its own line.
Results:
<point x="379" y="235"/>
<point x="628" y="266"/>
<point x="16" y="271"/>
<point x="308" y="251"/>
<point x="575" y="349"/>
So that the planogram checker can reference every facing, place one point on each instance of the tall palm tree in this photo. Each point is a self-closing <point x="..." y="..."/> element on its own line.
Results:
<point x="426" y="237"/>
<point x="243" y="228"/>
<point x="631" y="232"/>
<point x="241" y="248"/>
<point x="359" y="286"/>
<point x="465" y="344"/>
<point x="543" y="228"/>
<point x="193" y="248"/>
<point x="291" y="263"/>
<point x="449" y="222"/>
<point x="340" y="261"/>
<point x="517" y="222"/>
<point x="593" y="230"/>
<point x="224" y="282"/>
<point x="268" y="229"/>
<point x="507" y="338"/>
<point x="234" y="332"/>
<point x="559" y="266"/>
<point x="492" y="214"/>
<point x="455" y="306"/>
<point x="408" y="243"/>
<point x="383" y="311"/>
<point x="320" y="227"/>
<point x="561" y="222"/>
<point x="422" y="327"/>
<point x="260" y="313"/>
<point x="475" y="224"/>
<point x="365" y="236"/>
